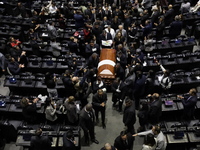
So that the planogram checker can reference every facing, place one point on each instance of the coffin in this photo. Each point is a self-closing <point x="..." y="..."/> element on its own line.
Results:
<point x="106" y="65"/>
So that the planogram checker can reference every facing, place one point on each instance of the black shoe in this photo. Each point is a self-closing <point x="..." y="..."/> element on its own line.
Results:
<point x="87" y="142"/>
<point x="95" y="141"/>
<point x="104" y="126"/>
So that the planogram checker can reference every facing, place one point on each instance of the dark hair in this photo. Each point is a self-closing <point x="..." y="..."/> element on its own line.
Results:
<point x="24" y="102"/>
<point x="149" y="140"/>
<point x="144" y="106"/>
<point x="157" y="128"/>
<point x="122" y="133"/>
<point x="38" y="132"/>
<point x="139" y="74"/>
<point x="69" y="134"/>
<point x="99" y="78"/>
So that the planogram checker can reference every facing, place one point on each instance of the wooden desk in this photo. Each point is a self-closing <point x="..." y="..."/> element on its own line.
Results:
<point x="106" y="65"/>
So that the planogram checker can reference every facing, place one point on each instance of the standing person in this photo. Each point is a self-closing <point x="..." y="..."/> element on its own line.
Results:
<point x="99" y="103"/>
<point x="51" y="85"/>
<point x="29" y="109"/>
<point x="79" y="21"/>
<point x="39" y="142"/>
<point x="97" y="30"/>
<point x="124" y="141"/>
<point x="155" y="108"/>
<point x="72" y="115"/>
<point x="87" y="123"/>
<point x="143" y="116"/>
<point x="118" y="90"/>
<point x="165" y="81"/>
<point x="169" y="15"/>
<point x="50" y="110"/>
<point x="129" y="118"/>
<point x="189" y="103"/>
<point x="56" y="48"/>
<point x="99" y="84"/>
<point x="149" y="143"/>
<point x="175" y="27"/>
<point x="68" y="141"/>
<point x="160" y="28"/>
<point x="161" y="141"/>
<point x="52" y="30"/>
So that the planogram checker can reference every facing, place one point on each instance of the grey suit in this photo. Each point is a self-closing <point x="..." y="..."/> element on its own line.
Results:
<point x="56" y="49"/>
<point x="161" y="141"/>
<point x="52" y="31"/>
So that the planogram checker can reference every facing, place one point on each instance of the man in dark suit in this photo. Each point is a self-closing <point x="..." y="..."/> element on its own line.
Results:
<point x="68" y="141"/>
<point x="129" y="118"/>
<point x="154" y="17"/>
<point x="121" y="48"/>
<point x="105" y="22"/>
<point x="105" y="36"/>
<point x="97" y="30"/>
<point x="22" y="10"/>
<point x="124" y="141"/>
<point x="14" y="67"/>
<point x="144" y="17"/>
<point x="87" y="123"/>
<point x="139" y="88"/>
<point x="118" y="91"/>
<point x="175" y="27"/>
<point x="93" y="62"/>
<point x="73" y="45"/>
<point x="160" y="28"/>
<point x="121" y="58"/>
<point x="155" y="108"/>
<point x="99" y="104"/>
<point x="39" y="142"/>
<point x="119" y="72"/>
<point x="169" y="15"/>
<point x="92" y="48"/>
<point x="79" y="21"/>
<point x="189" y="103"/>
<point x="35" y="47"/>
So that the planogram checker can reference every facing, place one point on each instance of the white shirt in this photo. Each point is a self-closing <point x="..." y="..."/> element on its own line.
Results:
<point x="112" y="32"/>
<point x="52" y="10"/>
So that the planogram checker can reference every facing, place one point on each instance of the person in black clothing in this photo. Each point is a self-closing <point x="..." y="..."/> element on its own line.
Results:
<point x="22" y="10"/>
<point x="117" y="12"/>
<point x="99" y="104"/>
<point x="121" y="58"/>
<point x="119" y="72"/>
<point x="97" y="30"/>
<point x="129" y="118"/>
<point x="154" y="17"/>
<point x="67" y="81"/>
<point x="149" y="85"/>
<point x="175" y="27"/>
<point x="118" y="90"/>
<point x="107" y="13"/>
<point x="99" y="84"/>
<point x="115" y="23"/>
<point x="143" y="116"/>
<point x="91" y="48"/>
<point x="155" y="108"/>
<point x="169" y="15"/>
<point x="93" y="62"/>
<point x="144" y="17"/>
<point x="29" y="109"/>
<point x="39" y="142"/>
<point x="74" y="45"/>
<point x="87" y="123"/>
<point x="99" y="12"/>
<point x="50" y="83"/>
<point x="68" y="141"/>
<point x="160" y="28"/>
<point x="14" y="67"/>
<point x="108" y="146"/>
<point x="124" y="141"/>
<point x="35" y="47"/>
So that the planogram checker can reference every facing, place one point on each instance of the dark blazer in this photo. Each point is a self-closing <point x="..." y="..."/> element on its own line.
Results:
<point x="35" y="48"/>
<point x="139" y="86"/>
<point x="29" y="112"/>
<point x="73" y="47"/>
<point x="97" y="32"/>
<point x="120" y="73"/>
<point x="123" y="61"/>
<point x="159" y="30"/>
<point x="86" y="122"/>
<point x="169" y="16"/>
<point x="154" y="18"/>
<point x="79" y="21"/>
<point x="14" y="68"/>
<point x="71" y="112"/>
<point x="93" y="63"/>
<point x="40" y="143"/>
<point x="130" y="82"/>
<point x="96" y="100"/>
<point x="118" y="95"/>
<point x="175" y="28"/>
<point x="189" y="105"/>
<point x="109" y="37"/>
<point x="67" y="144"/>
<point x="155" y="110"/>
<point x="129" y="118"/>
<point x="108" y="15"/>
<point x="96" y="86"/>
<point x="88" y="49"/>
<point x="119" y="144"/>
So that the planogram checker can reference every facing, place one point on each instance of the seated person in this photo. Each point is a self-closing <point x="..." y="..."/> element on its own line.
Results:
<point x="39" y="142"/>
<point x="29" y="109"/>
<point x="50" y="110"/>
<point x="138" y="57"/>
<point x="14" y="67"/>
<point x="68" y="141"/>
<point x="14" y="42"/>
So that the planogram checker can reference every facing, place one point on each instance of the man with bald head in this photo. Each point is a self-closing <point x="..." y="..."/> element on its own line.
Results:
<point x="87" y="123"/>
<point x="169" y="15"/>
<point x="108" y="146"/>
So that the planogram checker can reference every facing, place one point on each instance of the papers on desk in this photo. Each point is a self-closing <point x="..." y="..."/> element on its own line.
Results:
<point x="45" y="34"/>
<point x="94" y="49"/>
<point x="107" y="43"/>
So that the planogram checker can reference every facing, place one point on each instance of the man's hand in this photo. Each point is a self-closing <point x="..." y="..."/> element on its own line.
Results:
<point x="35" y="100"/>
<point x="181" y="97"/>
<point x="155" y="24"/>
<point x="103" y="104"/>
<point x="75" y="40"/>
<point x="74" y="142"/>
<point x="135" y="135"/>
<point x="21" y="65"/>
<point x="157" y="63"/>
<point x="149" y="95"/>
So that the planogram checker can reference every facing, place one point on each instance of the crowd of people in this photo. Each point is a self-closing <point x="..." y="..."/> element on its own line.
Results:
<point x="109" y="20"/>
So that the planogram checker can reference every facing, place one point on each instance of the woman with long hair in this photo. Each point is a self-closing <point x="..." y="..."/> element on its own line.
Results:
<point x="50" y="110"/>
<point x="119" y="39"/>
